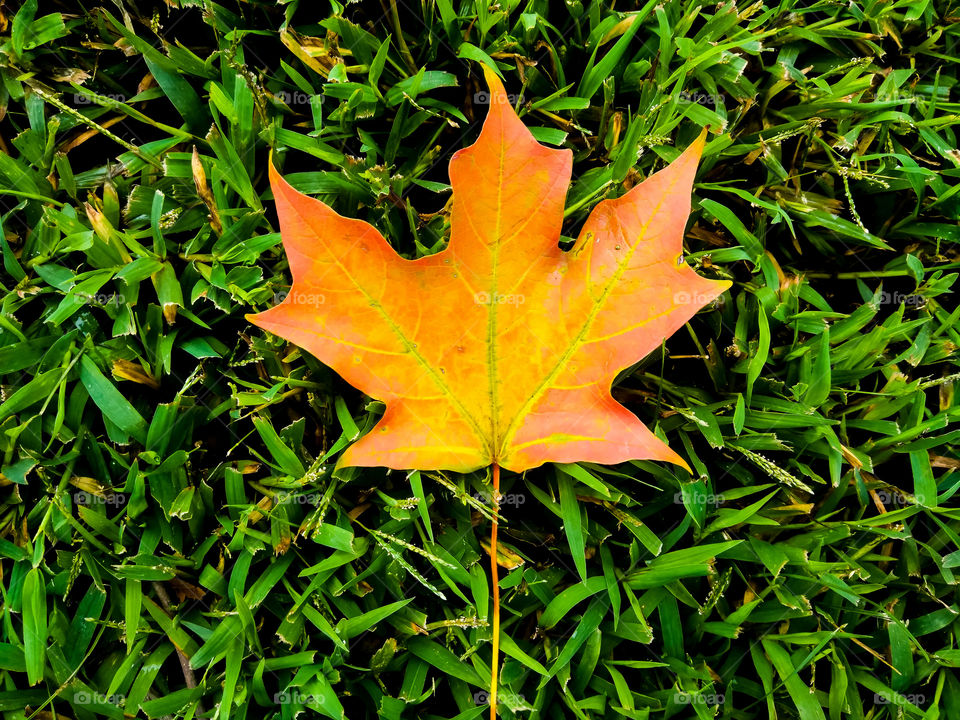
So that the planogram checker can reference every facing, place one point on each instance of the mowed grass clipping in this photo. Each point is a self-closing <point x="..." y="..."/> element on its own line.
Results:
<point x="175" y="541"/>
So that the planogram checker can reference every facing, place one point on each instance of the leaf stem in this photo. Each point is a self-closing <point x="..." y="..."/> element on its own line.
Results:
<point x="495" y="579"/>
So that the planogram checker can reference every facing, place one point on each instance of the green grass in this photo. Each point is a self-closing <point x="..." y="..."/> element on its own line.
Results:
<point x="173" y="538"/>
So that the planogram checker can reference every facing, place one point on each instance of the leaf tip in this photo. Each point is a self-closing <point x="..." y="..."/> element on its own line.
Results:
<point x="682" y="463"/>
<point x="272" y="171"/>
<point x="492" y="76"/>
<point x="696" y="147"/>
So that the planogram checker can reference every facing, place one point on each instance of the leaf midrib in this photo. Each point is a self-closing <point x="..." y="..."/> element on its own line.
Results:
<point x="492" y="312"/>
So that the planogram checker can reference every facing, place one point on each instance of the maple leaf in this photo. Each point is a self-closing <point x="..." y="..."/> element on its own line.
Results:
<point x="500" y="349"/>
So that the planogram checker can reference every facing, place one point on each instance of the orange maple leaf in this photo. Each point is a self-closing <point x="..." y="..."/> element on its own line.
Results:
<point x="500" y="349"/>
